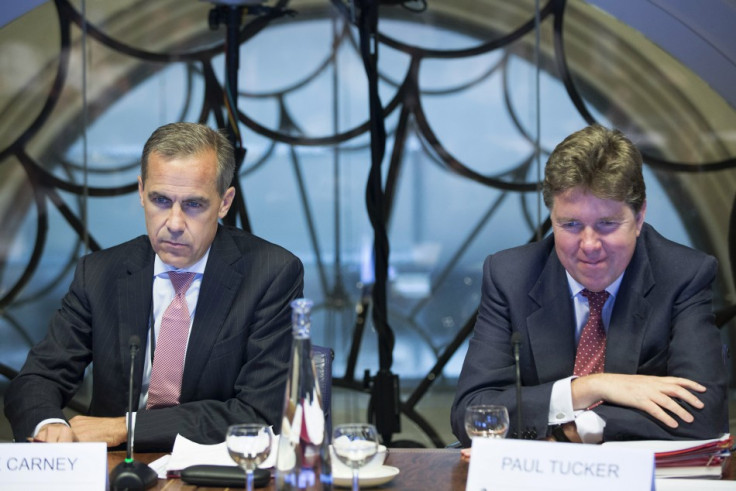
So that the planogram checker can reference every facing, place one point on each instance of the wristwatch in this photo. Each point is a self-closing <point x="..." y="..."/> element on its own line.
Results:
<point x="558" y="433"/>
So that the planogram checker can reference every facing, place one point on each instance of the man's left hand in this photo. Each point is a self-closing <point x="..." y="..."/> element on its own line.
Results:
<point x="109" y="430"/>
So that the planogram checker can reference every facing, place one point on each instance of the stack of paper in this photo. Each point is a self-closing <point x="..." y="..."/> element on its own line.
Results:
<point x="703" y="458"/>
<point x="686" y="458"/>
<point x="186" y="453"/>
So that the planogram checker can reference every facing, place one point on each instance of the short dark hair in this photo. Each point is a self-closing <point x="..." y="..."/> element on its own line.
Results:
<point x="600" y="160"/>
<point x="176" y="140"/>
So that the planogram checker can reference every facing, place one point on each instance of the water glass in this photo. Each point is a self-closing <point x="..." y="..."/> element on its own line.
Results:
<point x="486" y="421"/>
<point x="249" y="445"/>
<point x="355" y="444"/>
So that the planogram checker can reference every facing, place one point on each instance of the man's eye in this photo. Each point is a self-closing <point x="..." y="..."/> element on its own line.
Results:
<point x="160" y="200"/>
<point x="607" y="224"/>
<point x="570" y="225"/>
<point x="193" y="205"/>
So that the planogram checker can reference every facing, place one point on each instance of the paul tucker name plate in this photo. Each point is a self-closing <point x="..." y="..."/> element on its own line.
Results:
<point x="43" y="466"/>
<point x="512" y="465"/>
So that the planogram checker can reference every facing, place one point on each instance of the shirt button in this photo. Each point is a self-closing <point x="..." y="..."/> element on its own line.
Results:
<point x="560" y="416"/>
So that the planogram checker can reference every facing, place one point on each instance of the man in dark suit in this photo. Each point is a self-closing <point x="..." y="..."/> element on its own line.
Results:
<point x="237" y="346"/>
<point x="661" y="372"/>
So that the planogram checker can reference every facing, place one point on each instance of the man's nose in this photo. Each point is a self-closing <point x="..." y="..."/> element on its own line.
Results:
<point x="175" y="222"/>
<point x="589" y="240"/>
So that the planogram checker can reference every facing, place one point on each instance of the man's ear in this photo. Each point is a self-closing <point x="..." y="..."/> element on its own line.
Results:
<point x="140" y="189"/>
<point x="640" y="217"/>
<point x="227" y="201"/>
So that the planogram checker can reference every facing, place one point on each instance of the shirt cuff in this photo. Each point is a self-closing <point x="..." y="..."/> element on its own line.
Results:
<point x="590" y="426"/>
<point x="47" y="422"/>
<point x="560" y="404"/>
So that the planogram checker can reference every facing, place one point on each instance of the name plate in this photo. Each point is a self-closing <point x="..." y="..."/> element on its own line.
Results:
<point x="505" y="465"/>
<point x="43" y="466"/>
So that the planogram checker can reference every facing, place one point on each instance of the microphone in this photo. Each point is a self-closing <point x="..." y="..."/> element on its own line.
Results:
<point x="516" y="342"/>
<point x="521" y="433"/>
<point x="130" y="474"/>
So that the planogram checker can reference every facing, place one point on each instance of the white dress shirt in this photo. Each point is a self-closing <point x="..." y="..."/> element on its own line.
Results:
<point x="163" y="294"/>
<point x="589" y="425"/>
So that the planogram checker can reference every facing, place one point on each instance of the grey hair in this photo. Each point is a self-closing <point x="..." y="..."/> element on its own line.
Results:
<point x="176" y="140"/>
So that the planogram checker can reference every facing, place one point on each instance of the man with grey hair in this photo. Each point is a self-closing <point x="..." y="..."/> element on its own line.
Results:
<point x="209" y="302"/>
<point x="617" y="332"/>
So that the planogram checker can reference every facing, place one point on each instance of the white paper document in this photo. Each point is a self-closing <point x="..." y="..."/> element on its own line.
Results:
<point x="186" y="453"/>
<point x="684" y="458"/>
<point x="661" y="446"/>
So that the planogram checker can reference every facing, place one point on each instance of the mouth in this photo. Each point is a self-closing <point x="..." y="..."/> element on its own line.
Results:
<point x="592" y="264"/>
<point x="173" y="245"/>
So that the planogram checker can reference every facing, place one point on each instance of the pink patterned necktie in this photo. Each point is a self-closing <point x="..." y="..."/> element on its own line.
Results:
<point x="591" y="354"/>
<point x="168" y="360"/>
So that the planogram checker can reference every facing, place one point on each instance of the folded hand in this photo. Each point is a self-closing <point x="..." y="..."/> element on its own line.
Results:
<point x="91" y="429"/>
<point x="55" y="433"/>
<point x="657" y="396"/>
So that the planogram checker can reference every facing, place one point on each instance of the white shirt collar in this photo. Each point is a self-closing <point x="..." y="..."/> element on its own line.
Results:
<point x="160" y="267"/>
<point x="576" y="288"/>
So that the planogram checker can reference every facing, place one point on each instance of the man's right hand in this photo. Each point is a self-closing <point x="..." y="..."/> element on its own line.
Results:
<point x="55" y="432"/>
<point x="657" y="396"/>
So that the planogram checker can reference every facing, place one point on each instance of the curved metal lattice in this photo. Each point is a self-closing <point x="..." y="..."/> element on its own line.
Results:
<point x="408" y="124"/>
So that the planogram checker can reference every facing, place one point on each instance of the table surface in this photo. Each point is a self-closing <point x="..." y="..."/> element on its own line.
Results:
<point x="420" y="469"/>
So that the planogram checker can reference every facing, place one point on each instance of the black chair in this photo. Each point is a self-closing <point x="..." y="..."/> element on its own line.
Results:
<point x="7" y="372"/>
<point x="724" y="315"/>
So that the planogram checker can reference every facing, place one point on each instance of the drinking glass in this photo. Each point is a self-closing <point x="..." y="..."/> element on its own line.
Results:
<point x="355" y="444"/>
<point x="487" y="421"/>
<point x="249" y="444"/>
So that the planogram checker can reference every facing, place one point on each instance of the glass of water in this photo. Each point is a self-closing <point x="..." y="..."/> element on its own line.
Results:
<point x="355" y="444"/>
<point x="249" y="445"/>
<point x="486" y="421"/>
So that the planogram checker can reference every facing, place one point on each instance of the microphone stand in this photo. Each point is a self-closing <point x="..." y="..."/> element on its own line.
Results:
<point x="131" y="474"/>
<point x="516" y="342"/>
<point x="529" y="433"/>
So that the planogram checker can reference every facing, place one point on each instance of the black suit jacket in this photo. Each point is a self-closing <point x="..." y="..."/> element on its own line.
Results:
<point x="662" y="324"/>
<point x="237" y="356"/>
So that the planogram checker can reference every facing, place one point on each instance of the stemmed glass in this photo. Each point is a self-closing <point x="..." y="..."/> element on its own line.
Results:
<point x="487" y="421"/>
<point x="249" y="444"/>
<point x="355" y="444"/>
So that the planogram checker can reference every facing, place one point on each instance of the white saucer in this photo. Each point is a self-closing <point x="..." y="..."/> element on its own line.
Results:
<point x="377" y="477"/>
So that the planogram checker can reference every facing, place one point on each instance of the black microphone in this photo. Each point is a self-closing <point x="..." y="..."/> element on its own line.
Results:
<point x="516" y="342"/>
<point x="528" y="433"/>
<point x="130" y="474"/>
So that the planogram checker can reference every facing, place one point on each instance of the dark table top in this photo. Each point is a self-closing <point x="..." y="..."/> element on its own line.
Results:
<point x="420" y="469"/>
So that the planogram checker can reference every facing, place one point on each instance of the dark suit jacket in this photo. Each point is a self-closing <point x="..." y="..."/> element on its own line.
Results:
<point x="237" y="356"/>
<point x="661" y="324"/>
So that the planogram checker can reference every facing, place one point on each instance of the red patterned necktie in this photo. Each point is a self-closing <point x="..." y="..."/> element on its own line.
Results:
<point x="168" y="360"/>
<point x="591" y="353"/>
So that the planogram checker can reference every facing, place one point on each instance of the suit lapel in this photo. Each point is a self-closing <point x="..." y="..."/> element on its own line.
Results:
<point x="134" y="306"/>
<point x="551" y="327"/>
<point x="630" y="315"/>
<point x="221" y="281"/>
